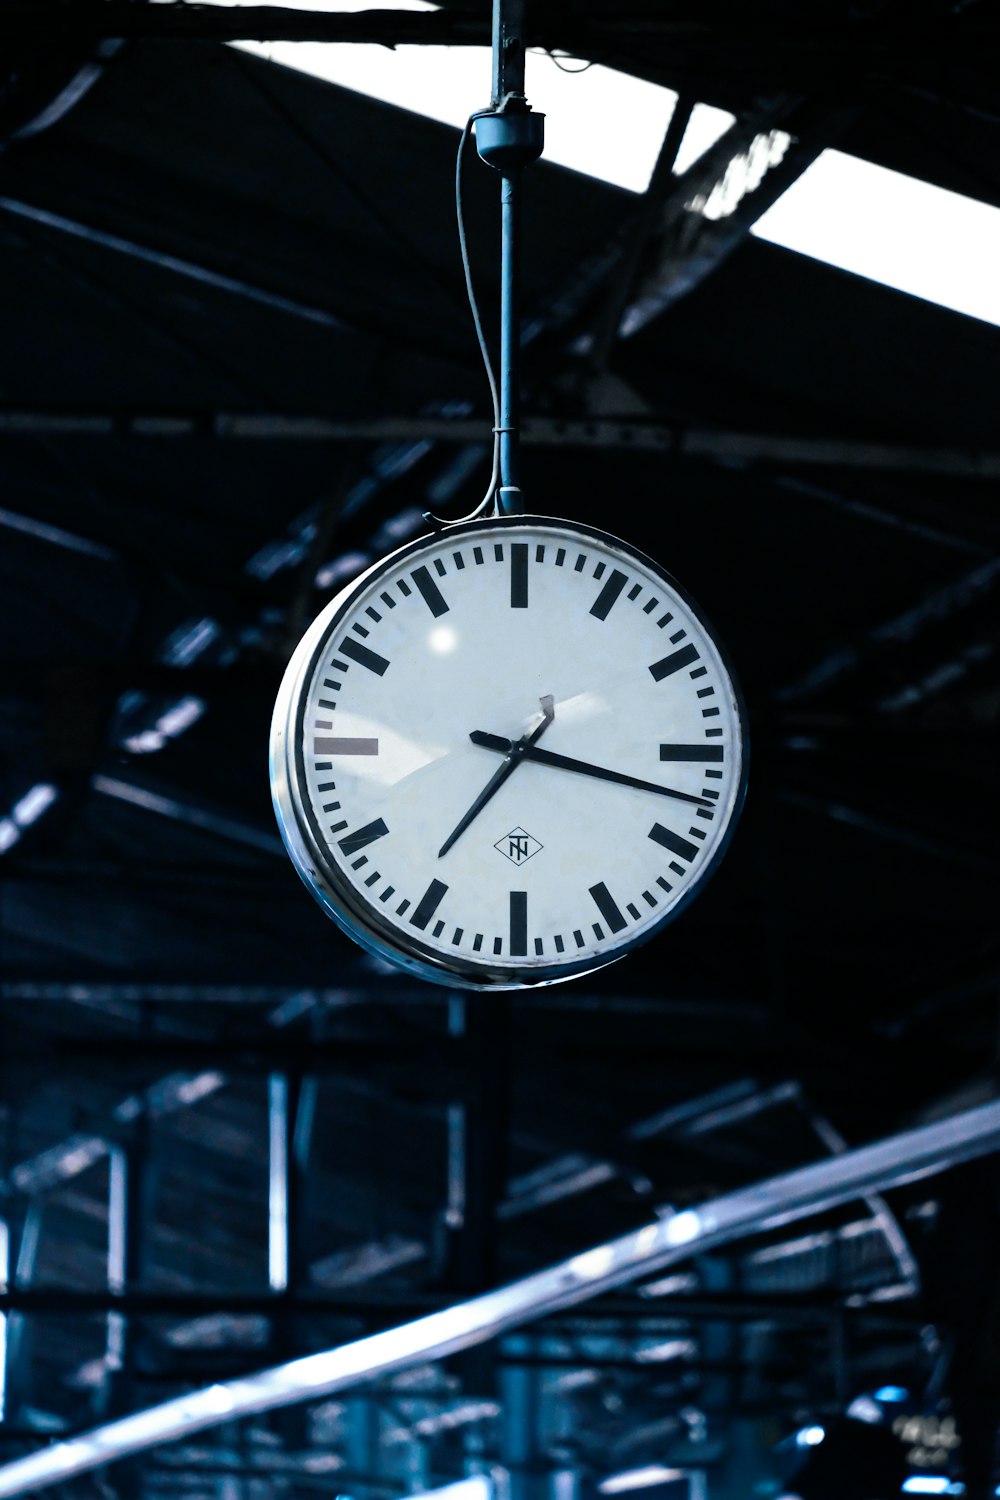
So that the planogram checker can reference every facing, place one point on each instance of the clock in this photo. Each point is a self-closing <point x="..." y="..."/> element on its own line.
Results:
<point x="508" y="753"/>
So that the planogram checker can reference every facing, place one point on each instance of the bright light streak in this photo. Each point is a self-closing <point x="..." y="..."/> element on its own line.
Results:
<point x="639" y="1479"/>
<point x="31" y="806"/>
<point x="477" y="1487"/>
<point x="599" y="121"/>
<point x="892" y="1393"/>
<point x="171" y="723"/>
<point x="932" y="1484"/>
<point x="683" y="1228"/>
<point x="668" y="1349"/>
<point x="893" y="229"/>
<point x="810" y="1437"/>
<point x="865" y="1409"/>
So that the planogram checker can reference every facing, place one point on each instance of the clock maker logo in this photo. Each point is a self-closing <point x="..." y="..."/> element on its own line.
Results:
<point x="518" y="846"/>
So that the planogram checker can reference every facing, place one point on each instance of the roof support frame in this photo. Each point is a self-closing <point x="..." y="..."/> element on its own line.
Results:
<point x="899" y="1159"/>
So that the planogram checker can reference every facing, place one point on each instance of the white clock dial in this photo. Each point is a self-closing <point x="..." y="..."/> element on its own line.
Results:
<point x="507" y="754"/>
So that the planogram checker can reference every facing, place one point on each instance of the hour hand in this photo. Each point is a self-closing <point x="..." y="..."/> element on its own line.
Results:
<point x="583" y="767"/>
<point x="513" y="752"/>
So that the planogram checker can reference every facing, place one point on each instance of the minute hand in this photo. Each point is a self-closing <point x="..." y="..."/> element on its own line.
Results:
<point x="584" y="767"/>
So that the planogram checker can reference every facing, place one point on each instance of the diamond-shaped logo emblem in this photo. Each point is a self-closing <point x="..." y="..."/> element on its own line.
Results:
<point x="518" y="846"/>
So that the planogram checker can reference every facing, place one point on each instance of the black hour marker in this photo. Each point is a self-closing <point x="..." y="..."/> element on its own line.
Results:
<point x="374" y="614"/>
<point x="706" y="791"/>
<point x="601" y="606"/>
<point x="600" y="570"/>
<point x="332" y="745"/>
<point x="404" y="588"/>
<point x="580" y="563"/>
<point x="649" y="898"/>
<point x="677" y="869"/>
<point x="678" y="635"/>
<point x="429" y="903"/>
<point x="539" y="947"/>
<point x="635" y="591"/>
<point x="325" y="703"/>
<point x="363" y="656"/>
<point x="328" y="682"/>
<point x="459" y="561"/>
<point x="390" y="890"/>
<point x="599" y="932"/>
<point x="665" y="884"/>
<point x="698" y="833"/>
<point x="665" y="621"/>
<point x="331" y="786"/>
<point x="362" y="837"/>
<point x="673" y="842"/>
<point x="560" y="557"/>
<point x="706" y="692"/>
<point x="388" y="601"/>
<point x="560" y="945"/>
<point x="710" y="713"/>
<point x="360" y="629"/>
<point x="716" y="774"/>
<point x="331" y="807"/>
<point x="432" y="595"/>
<point x="439" y="567"/>
<point x="477" y="553"/>
<point x="539" y="553"/>
<point x="699" y="672"/>
<point x="692" y="752"/>
<point x="477" y="942"/>
<point x="498" y="945"/>
<point x="578" y="938"/>
<point x="458" y="935"/>
<point x="673" y="663"/>
<point x="339" y="666"/>
<point x="356" y="864"/>
<point x="713" y="732"/>
<point x="438" y="929"/>
<point x="498" y="551"/>
<point x="634" y="910"/>
<point x="647" y="609"/>
<point x="519" y="575"/>
<point x="402" y="907"/>
<point x="336" y="827"/>
<point x="706" y="812"/>
<point x="607" y="907"/>
<point x="518" y="922"/>
<point x="374" y="879"/>
<point x="324" y="765"/>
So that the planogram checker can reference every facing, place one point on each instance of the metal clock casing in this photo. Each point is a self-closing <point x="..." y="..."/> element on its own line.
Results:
<point x="465" y="631"/>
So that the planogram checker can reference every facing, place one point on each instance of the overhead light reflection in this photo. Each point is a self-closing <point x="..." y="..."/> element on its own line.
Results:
<point x="639" y="1479"/>
<point x="443" y="639"/>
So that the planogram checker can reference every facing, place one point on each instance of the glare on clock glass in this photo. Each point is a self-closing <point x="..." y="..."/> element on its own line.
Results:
<point x="518" y="748"/>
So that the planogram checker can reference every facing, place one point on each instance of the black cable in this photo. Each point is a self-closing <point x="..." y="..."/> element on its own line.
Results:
<point x="463" y="246"/>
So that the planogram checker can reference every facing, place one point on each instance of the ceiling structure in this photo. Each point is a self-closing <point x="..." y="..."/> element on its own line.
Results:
<point x="237" y="366"/>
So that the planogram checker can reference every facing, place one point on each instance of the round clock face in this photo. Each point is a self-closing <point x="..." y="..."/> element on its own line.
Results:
<point x="507" y="754"/>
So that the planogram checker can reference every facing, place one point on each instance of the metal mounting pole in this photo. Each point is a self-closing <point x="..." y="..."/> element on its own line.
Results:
<point x="509" y="139"/>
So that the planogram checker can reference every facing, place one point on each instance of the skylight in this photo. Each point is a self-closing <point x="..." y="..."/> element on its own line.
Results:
<point x="882" y="225"/>
<point x="599" y="121"/>
<point x="893" y="229"/>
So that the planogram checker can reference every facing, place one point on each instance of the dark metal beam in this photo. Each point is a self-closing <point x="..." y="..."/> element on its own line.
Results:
<point x="792" y="1308"/>
<point x="629" y="434"/>
<point x="606" y="1267"/>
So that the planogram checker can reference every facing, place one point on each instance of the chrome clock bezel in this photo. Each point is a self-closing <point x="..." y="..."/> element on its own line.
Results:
<point x="304" y="841"/>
